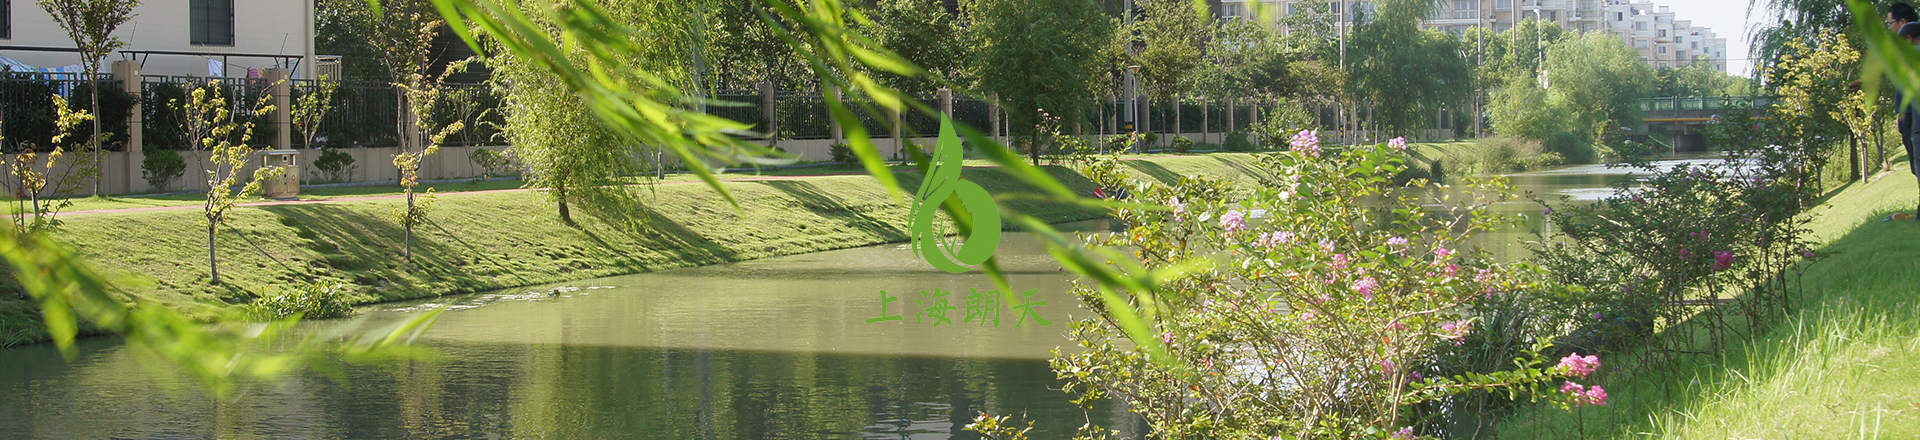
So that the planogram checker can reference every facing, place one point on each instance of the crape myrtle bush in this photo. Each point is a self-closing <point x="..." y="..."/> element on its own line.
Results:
<point x="1678" y="245"/>
<point x="1331" y="297"/>
<point x="310" y="300"/>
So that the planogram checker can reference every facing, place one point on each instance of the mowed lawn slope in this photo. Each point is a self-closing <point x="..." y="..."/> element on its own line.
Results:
<point x="503" y="239"/>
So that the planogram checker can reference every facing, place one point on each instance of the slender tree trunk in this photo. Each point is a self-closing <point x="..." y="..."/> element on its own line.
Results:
<point x="410" y="220"/>
<point x="1853" y="155"/>
<point x="95" y="139"/>
<point x="560" y="194"/>
<point x="213" y="260"/>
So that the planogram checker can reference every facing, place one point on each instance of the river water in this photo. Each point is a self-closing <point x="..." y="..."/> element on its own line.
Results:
<point x="765" y="349"/>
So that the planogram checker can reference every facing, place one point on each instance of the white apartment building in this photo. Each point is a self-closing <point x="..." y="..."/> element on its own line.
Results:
<point x="1662" y="40"/>
<point x="224" y="38"/>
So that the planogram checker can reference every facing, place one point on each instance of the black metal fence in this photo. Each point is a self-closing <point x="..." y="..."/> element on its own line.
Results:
<point x="28" y="119"/>
<point x="366" y="114"/>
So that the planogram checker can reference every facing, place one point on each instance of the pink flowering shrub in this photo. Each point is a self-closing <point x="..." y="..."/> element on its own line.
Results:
<point x="1307" y="142"/>
<point x="1329" y="316"/>
<point x="1668" y="244"/>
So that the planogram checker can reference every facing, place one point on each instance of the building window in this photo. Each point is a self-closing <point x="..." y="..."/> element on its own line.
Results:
<point x="1663" y="65"/>
<point x="6" y="19"/>
<point x="1503" y="4"/>
<point x="1663" y="49"/>
<point x="212" y="22"/>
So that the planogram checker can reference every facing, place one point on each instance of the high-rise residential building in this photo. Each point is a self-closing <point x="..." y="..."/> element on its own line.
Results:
<point x="1662" y="40"/>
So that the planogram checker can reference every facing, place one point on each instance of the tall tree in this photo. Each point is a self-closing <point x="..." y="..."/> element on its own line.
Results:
<point x="1406" y="73"/>
<point x="90" y="23"/>
<point x="925" y="33"/>
<point x="1173" y="32"/>
<point x="1039" y="56"/>
<point x="745" y="49"/>
<point x="1698" y="78"/>
<point x="1599" y="79"/>
<point x="209" y="123"/>
<point x="566" y="150"/>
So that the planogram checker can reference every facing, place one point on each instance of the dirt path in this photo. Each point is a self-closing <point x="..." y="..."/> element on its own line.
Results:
<point x="401" y="196"/>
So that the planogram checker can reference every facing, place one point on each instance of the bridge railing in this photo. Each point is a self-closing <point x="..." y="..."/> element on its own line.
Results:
<point x="1680" y="103"/>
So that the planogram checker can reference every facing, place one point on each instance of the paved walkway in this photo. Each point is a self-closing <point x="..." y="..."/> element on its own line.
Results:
<point x="401" y="196"/>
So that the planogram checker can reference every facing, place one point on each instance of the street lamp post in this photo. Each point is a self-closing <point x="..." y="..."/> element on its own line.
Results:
<point x="1133" y="100"/>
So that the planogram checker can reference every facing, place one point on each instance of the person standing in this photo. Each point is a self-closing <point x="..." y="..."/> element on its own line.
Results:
<point x="1901" y="18"/>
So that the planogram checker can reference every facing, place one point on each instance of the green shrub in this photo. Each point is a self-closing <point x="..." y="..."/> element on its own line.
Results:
<point x="1152" y="139"/>
<point x="1120" y="142"/>
<point x="491" y="163"/>
<point x="1279" y="125"/>
<point x="1574" y="145"/>
<point x="1237" y="141"/>
<point x="336" y="165"/>
<point x="1181" y="144"/>
<point x="842" y="153"/>
<point x="161" y="167"/>
<point x="312" y="300"/>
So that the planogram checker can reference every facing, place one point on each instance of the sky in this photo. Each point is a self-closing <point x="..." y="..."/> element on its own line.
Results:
<point x="1729" y="19"/>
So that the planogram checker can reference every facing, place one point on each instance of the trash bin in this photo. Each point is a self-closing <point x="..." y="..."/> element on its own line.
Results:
<point x="287" y="186"/>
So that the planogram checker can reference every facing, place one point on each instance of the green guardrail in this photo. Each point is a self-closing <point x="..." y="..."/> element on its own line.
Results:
<point x="1678" y="103"/>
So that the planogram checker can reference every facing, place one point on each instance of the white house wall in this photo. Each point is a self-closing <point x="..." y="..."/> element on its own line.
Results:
<point x="282" y="27"/>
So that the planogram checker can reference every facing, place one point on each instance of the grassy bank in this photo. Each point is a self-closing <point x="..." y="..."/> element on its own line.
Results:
<point x="1845" y="364"/>
<point x="495" y="240"/>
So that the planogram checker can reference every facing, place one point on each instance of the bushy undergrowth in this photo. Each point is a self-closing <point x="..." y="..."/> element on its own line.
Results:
<point x="1319" y="305"/>
<point x="311" y="300"/>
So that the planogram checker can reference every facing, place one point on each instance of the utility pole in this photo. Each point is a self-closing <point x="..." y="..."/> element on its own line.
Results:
<point x="1344" y="25"/>
<point x="1480" y="63"/>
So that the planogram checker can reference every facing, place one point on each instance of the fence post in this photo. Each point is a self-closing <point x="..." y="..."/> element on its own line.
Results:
<point x="282" y="118"/>
<point x="769" y="112"/>
<point x="899" y="145"/>
<point x="128" y="72"/>
<point x="1231" y="127"/>
<point x="834" y="124"/>
<point x="993" y="115"/>
<point x="946" y="101"/>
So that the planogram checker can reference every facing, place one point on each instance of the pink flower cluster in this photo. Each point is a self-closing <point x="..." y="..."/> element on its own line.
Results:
<point x="1456" y="330"/>
<point x="1580" y="365"/>
<point x="1398" y="144"/>
<point x="1366" y="286"/>
<point x="1307" y="142"/>
<point x="1179" y="209"/>
<point x="1584" y="395"/>
<point x="1233" y="221"/>
<point x="1270" y="240"/>
<point x="1722" y="260"/>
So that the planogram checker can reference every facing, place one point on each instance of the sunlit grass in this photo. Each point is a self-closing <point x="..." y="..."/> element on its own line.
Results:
<point x="478" y="241"/>
<point x="1845" y="364"/>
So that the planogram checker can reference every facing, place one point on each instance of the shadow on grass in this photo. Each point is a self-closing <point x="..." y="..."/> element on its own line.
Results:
<point x="1154" y="170"/>
<point x="821" y="202"/>
<point x="620" y="210"/>
<point x="1865" y="280"/>
<point x="366" y="249"/>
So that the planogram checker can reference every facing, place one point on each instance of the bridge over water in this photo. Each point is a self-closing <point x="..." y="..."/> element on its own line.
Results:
<point x="1683" y="117"/>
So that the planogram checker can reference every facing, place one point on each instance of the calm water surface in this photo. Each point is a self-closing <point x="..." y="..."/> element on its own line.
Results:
<point x="766" y="349"/>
